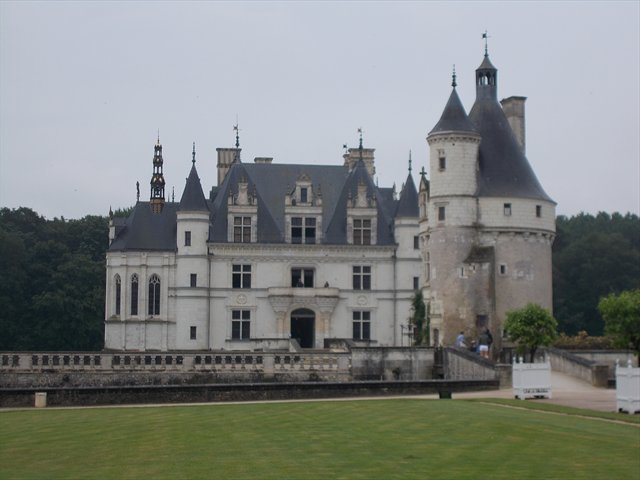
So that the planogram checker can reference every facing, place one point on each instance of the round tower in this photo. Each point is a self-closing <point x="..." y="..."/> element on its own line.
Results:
<point x="451" y="220"/>
<point x="192" y="266"/>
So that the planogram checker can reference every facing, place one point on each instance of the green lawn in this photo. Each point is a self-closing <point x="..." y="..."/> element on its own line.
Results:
<point x="384" y="439"/>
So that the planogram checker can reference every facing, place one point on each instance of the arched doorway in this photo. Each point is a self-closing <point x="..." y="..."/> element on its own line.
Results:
<point x="303" y="325"/>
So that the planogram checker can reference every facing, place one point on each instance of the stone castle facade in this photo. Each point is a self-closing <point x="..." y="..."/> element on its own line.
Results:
<point x="281" y="256"/>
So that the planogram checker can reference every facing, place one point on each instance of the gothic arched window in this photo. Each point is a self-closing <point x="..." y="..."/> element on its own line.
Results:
<point x="134" y="294"/>
<point x="118" y="292"/>
<point x="154" y="295"/>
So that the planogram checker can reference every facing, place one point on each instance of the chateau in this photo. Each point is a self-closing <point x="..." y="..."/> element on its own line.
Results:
<point x="288" y="256"/>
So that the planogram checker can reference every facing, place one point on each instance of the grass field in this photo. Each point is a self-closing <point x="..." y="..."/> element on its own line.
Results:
<point x="377" y="439"/>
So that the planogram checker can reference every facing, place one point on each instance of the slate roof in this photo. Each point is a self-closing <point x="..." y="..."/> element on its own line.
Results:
<point x="193" y="196"/>
<point x="145" y="230"/>
<point x="408" y="203"/>
<point x="454" y="117"/>
<point x="504" y="170"/>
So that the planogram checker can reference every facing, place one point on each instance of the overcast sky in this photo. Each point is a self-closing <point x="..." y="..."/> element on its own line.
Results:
<point x="85" y="87"/>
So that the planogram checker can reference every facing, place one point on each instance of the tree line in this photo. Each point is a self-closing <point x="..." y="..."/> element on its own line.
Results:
<point x="52" y="276"/>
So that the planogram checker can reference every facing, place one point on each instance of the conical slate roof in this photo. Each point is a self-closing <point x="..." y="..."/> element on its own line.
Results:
<point x="454" y="118"/>
<point x="408" y="203"/>
<point x="504" y="170"/>
<point x="193" y="197"/>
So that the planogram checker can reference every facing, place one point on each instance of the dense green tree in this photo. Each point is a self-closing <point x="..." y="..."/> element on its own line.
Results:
<point x="52" y="282"/>
<point x="531" y="327"/>
<point x="593" y="256"/>
<point x="621" y="314"/>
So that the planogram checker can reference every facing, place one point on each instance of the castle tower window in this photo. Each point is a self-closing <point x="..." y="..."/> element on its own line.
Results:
<point x="302" y="277"/>
<point x="441" y="214"/>
<point x="503" y="269"/>
<point x="362" y="231"/>
<point x="241" y="276"/>
<point x="416" y="283"/>
<point x="242" y="229"/>
<point x="507" y="209"/>
<point x="241" y="324"/>
<point x="442" y="164"/>
<point x="187" y="239"/>
<point x="304" y="195"/>
<point x="538" y="211"/>
<point x="154" y="295"/>
<point x="303" y="230"/>
<point x="118" y="293"/>
<point x="193" y="280"/>
<point x="361" y="325"/>
<point x="192" y="333"/>
<point x="361" y="277"/>
<point x="416" y="242"/>
<point x="134" y="294"/>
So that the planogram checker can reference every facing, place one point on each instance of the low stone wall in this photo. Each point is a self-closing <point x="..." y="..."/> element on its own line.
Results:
<point x="607" y="357"/>
<point x="391" y="363"/>
<point x="566" y="362"/>
<point x="157" y="394"/>
<point x="461" y="364"/>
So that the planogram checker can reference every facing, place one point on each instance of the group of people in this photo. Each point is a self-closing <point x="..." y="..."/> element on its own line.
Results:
<point x="482" y="346"/>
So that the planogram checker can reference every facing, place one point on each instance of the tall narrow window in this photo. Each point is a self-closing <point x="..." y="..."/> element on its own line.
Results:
<point x="134" y="294"/>
<point x="193" y="333"/>
<point x="241" y="276"/>
<point x="507" y="209"/>
<point x="187" y="239"/>
<point x="416" y="283"/>
<point x="304" y="195"/>
<point x="303" y="230"/>
<point x="416" y="243"/>
<point x="361" y="277"/>
<point x="193" y="280"/>
<point x="538" y="211"/>
<point x="441" y="214"/>
<point x="302" y="277"/>
<point x="241" y="324"/>
<point x="154" y="295"/>
<point x="242" y="229"/>
<point x="362" y="231"/>
<point x="442" y="163"/>
<point x="361" y="325"/>
<point x="118" y="293"/>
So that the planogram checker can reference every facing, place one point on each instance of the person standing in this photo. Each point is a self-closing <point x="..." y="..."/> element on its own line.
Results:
<point x="460" y="340"/>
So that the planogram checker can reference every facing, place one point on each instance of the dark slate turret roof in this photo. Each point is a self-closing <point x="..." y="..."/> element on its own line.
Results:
<point x="145" y="230"/>
<point x="408" y="203"/>
<point x="454" y="117"/>
<point x="504" y="170"/>
<point x="193" y="197"/>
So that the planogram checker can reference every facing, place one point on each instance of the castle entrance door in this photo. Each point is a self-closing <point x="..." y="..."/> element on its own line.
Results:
<point x="303" y="323"/>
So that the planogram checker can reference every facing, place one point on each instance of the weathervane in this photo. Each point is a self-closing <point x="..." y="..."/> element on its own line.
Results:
<point x="193" y="154"/>
<point x="409" y="160"/>
<point x="360" y="147"/>
<point x="453" y="77"/>
<point x="485" y="35"/>
<point x="236" y="129"/>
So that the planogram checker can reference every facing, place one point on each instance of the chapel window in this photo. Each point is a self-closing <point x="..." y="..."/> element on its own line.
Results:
<point x="154" y="295"/>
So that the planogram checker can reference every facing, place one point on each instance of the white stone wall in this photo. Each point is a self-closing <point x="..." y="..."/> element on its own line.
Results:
<point x="459" y="177"/>
<point x="523" y="214"/>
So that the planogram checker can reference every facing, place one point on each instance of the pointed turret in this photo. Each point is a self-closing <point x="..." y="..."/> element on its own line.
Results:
<point x="157" y="179"/>
<point x="454" y="117"/>
<point x="408" y="203"/>
<point x="193" y="198"/>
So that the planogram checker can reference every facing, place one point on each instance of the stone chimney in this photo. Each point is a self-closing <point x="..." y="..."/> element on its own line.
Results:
<point x="353" y="155"/>
<point x="226" y="157"/>
<point x="513" y="108"/>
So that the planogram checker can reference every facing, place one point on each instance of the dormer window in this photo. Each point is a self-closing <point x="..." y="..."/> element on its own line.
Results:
<point x="303" y="230"/>
<point x="362" y="231"/>
<point x="304" y="194"/>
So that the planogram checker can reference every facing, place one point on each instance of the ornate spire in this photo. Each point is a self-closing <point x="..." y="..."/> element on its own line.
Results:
<point x="157" y="180"/>
<point x="453" y="77"/>
<point x="193" y="154"/>
<point x="137" y="191"/>
<point x="360" y="146"/>
<point x="236" y="129"/>
<point x="409" y="160"/>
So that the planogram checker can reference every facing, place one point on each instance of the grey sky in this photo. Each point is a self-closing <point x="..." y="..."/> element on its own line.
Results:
<point x="84" y="87"/>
